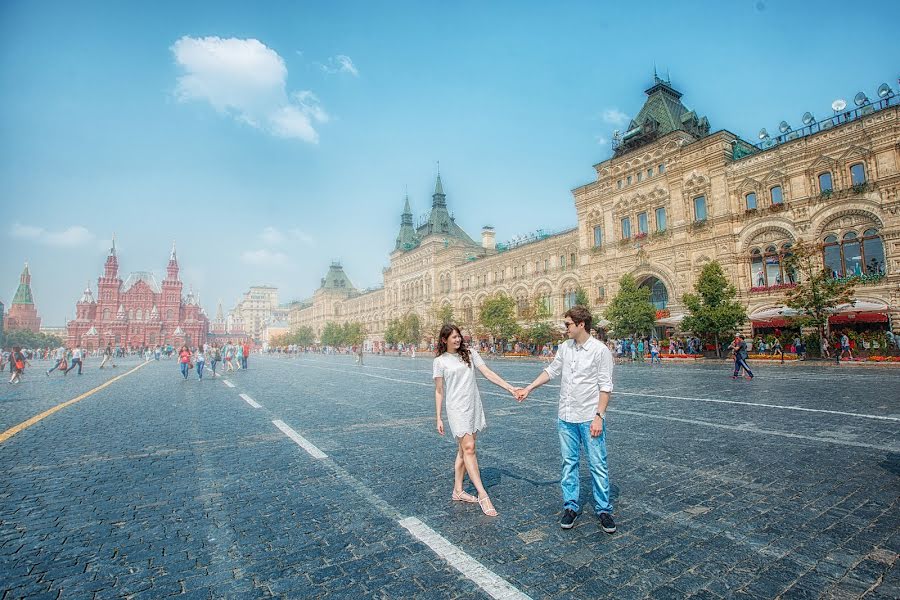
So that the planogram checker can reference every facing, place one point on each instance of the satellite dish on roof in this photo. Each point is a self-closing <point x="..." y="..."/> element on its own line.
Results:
<point x="860" y="99"/>
<point x="763" y="134"/>
<point x="783" y="127"/>
<point x="839" y="105"/>
<point x="808" y="118"/>
<point x="884" y="90"/>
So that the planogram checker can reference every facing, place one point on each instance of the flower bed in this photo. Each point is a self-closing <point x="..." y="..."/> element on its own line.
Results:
<point x="771" y="288"/>
<point x="680" y="356"/>
<point x="517" y="354"/>
<point x="772" y="356"/>
<point x="893" y="359"/>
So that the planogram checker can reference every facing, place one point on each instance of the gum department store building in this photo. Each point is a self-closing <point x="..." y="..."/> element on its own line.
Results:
<point x="673" y="197"/>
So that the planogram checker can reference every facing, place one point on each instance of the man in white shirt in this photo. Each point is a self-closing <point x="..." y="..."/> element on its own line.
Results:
<point x="77" y="353"/>
<point x="586" y="366"/>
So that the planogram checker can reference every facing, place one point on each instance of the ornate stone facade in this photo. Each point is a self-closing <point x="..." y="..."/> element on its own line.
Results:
<point x="139" y="312"/>
<point x="672" y="198"/>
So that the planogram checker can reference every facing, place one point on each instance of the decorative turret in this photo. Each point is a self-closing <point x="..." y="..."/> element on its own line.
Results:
<point x="111" y="268"/>
<point x="172" y="267"/>
<point x="87" y="297"/>
<point x="439" y="220"/>
<point x="120" y="314"/>
<point x="154" y="313"/>
<point x="23" y="292"/>
<point x="661" y="114"/>
<point x="22" y="312"/>
<point x="438" y="198"/>
<point x="407" y="238"/>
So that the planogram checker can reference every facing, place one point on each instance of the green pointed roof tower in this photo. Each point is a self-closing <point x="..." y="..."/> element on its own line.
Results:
<point x="661" y="114"/>
<point x="407" y="238"/>
<point x="23" y="292"/>
<point x="336" y="279"/>
<point x="440" y="222"/>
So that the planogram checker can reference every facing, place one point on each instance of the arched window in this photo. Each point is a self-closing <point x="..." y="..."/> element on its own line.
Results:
<point x="790" y="274"/>
<point x="852" y="254"/>
<point x="568" y="299"/>
<point x="139" y="315"/>
<point x="873" y="251"/>
<point x="572" y="261"/>
<point x="857" y="174"/>
<point x="130" y="314"/>
<point x="522" y="305"/>
<point x="169" y="315"/>
<point x="825" y="182"/>
<point x="106" y="314"/>
<point x="776" y="195"/>
<point x="773" y="266"/>
<point x="757" y="271"/>
<point x="751" y="200"/>
<point x="831" y="255"/>
<point x="659" y="295"/>
<point x="562" y="261"/>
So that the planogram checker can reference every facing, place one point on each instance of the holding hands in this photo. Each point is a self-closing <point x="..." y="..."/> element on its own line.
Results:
<point x="520" y="394"/>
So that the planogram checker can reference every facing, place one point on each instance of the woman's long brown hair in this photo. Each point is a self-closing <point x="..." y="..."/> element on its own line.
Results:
<point x="446" y="331"/>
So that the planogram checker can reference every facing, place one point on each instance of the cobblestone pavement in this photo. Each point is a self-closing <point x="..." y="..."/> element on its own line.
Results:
<point x="784" y="486"/>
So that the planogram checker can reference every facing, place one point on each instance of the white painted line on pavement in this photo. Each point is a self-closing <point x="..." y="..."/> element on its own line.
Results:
<point x="300" y="440"/>
<point x="494" y="585"/>
<point x="251" y="401"/>
<point x="761" y="405"/>
<point x="228" y="383"/>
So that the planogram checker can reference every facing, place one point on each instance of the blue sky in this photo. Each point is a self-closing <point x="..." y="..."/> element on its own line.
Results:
<point x="268" y="139"/>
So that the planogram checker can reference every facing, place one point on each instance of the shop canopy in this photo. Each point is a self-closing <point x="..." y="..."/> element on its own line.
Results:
<point x="858" y="311"/>
<point x="671" y="320"/>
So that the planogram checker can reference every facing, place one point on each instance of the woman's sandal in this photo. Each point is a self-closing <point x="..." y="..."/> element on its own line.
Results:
<point x="491" y="512"/>
<point x="464" y="497"/>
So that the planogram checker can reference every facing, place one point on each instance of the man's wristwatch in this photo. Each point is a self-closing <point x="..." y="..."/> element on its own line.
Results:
<point x="602" y="416"/>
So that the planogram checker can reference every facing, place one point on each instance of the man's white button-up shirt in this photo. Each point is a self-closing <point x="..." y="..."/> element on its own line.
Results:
<point x="586" y="371"/>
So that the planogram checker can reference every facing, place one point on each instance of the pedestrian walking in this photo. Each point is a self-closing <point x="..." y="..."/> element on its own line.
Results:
<point x="17" y="363"/>
<point x="184" y="361"/>
<point x="845" y="347"/>
<point x="586" y="367"/>
<point x="778" y="349"/>
<point x="739" y="347"/>
<point x="107" y="356"/>
<point x="59" y="360"/>
<point x="453" y="371"/>
<point x="245" y="354"/>
<point x="77" y="354"/>
<point x="216" y="356"/>
<point x="199" y="362"/>
<point x="654" y="352"/>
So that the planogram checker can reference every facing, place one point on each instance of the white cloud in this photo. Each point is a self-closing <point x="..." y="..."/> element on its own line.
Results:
<point x="614" y="116"/>
<point x="264" y="257"/>
<point x="340" y="63"/>
<point x="247" y="80"/>
<point x="272" y="236"/>
<point x="73" y="236"/>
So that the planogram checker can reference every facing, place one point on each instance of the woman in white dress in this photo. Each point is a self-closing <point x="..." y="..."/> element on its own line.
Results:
<point x="454" y="379"/>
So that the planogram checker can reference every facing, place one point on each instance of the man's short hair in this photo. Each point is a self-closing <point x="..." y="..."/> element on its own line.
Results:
<point x="580" y="314"/>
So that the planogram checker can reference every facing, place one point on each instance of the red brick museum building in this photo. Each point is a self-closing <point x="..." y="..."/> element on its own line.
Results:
<point x="137" y="313"/>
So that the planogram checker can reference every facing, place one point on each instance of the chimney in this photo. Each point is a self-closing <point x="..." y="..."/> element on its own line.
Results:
<point x="488" y="238"/>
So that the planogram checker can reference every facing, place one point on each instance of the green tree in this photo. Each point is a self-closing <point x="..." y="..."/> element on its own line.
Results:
<point x="303" y="336"/>
<point x="540" y="331"/>
<point x="713" y="311"/>
<point x="498" y="317"/>
<point x="817" y="292"/>
<point x="392" y="332"/>
<point x="630" y="311"/>
<point x="332" y="335"/>
<point x="353" y="333"/>
<point x="411" y="329"/>
<point x="581" y="297"/>
<point x="444" y="315"/>
<point x="31" y="340"/>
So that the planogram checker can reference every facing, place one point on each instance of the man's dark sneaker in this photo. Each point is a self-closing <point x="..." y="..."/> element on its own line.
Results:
<point x="606" y="523"/>
<point x="568" y="519"/>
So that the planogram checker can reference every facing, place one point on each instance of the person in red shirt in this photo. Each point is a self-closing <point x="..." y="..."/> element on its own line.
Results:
<point x="184" y="360"/>
<point x="246" y="350"/>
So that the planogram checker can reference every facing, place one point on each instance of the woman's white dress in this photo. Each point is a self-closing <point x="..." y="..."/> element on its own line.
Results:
<point x="464" y="411"/>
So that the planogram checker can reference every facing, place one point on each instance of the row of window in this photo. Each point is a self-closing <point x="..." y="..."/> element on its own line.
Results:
<point x="137" y="316"/>
<point x="850" y="255"/>
<point x="570" y="262"/>
<point x="643" y="226"/>
<point x="826" y="184"/>
<point x="640" y="176"/>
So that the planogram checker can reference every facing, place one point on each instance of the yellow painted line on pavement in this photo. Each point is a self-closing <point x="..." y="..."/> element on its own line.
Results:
<point x="26" y="424"/>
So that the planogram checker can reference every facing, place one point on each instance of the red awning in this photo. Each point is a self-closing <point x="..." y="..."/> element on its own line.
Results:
<point x="869" y="317"/>
<point x="777" y="322"/>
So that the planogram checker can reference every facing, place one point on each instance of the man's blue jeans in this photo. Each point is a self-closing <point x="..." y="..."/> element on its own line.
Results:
<point x="572" y="436"/>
